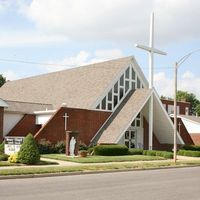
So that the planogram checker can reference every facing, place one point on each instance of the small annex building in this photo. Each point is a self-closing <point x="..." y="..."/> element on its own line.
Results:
<point x="106" y="103"/>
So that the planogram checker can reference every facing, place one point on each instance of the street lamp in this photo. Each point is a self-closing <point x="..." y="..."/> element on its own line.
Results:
<point x="177" y="64"/>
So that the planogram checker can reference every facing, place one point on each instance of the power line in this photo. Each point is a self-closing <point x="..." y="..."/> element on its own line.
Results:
<point x="57" y="64"/>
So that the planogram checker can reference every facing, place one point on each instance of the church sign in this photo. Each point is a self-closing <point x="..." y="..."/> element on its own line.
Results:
<point x="12" y="144"/>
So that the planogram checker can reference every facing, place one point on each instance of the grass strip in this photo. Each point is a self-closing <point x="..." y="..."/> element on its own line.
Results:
<point x="101" y="159"/>
<point x="96" y="168"/>
<point x="42" y="162"/>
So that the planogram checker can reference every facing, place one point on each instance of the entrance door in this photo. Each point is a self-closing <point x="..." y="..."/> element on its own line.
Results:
<point x="131" y="138"/>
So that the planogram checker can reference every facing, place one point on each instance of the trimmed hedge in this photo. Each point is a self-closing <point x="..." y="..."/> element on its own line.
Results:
<point x="191" y="147"/>
<point x="29" y="152"/>
<point x="164" y="154"/>
<point x="110" y="150"/>
<point x="189" y="153"/>
<point x="4" y="157"/>
<point x="135" y="151"/>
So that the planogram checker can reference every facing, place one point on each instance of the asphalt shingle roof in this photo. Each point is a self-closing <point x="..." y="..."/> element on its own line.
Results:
<point x="78" y="87"/>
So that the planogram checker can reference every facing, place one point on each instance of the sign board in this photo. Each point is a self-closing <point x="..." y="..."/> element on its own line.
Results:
<point x="13" y="144"/>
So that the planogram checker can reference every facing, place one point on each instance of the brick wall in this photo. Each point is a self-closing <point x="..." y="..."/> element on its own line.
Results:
<point x="1" y="123"/>
<point x="156" y="144"/>
<point x="182" y="105"/>
<point x="183" y="131"/>
<point x="24" y="126"/>
<point x="86" y="122"/>
<point x="195" y="138"/>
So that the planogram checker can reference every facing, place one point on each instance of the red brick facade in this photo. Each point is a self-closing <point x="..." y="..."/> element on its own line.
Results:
<point x="182" y="105"/>
<point x="156" y="144"/>
<point x="24" y="126"/>
<point x="183" y="132"/>
<point x="1" y="123"/>
<point x="196" y="138"/>
<point x="85" y="122"/>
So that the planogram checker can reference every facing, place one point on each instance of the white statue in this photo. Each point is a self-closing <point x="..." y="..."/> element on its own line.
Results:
<point x="72" y="146"/>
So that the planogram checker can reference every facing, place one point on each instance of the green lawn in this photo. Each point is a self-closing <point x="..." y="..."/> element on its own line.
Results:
<point x="42" y="162"/>
<point x="96" y="168"/>
<point x="6" y="163"/>
<point x="101" y="159"/>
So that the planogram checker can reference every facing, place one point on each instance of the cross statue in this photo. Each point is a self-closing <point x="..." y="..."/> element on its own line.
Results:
<point x="151" y="51"/>
<point x="65" y="118"/>
<point x="179" y="127"/>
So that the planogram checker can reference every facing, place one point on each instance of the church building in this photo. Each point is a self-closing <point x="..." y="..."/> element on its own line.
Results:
<point x="105" y="103"/>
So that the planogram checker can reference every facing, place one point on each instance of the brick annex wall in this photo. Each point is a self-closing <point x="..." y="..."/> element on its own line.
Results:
<point x="86" y="122"/>
<point x="1" y="123"/>
<point x="24" y="126"/>
<point x="182" y="105"/>
<point x="183" y="132"/>
<point x="196" y="138"/>
<point x="156" y="144"/>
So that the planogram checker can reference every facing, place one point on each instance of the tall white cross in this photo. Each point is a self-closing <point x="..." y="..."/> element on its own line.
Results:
<point x="151" y="51"/>
<point x="65" y="118"/>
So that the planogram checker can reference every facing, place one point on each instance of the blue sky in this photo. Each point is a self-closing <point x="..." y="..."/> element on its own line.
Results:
<point x="76" y="32"/>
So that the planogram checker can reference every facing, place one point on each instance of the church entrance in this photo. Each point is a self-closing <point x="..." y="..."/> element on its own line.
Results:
<point x="131" y="138"/>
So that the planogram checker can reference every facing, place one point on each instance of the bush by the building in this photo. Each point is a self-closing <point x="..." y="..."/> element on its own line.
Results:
<point x="135" y="151"/>
<point x="189" y="153"/>
<point x="60" y="147"/>
<point x="164" y="154"/>
<point x="191" y="147"/>
<point x="3" y="157"/>
<point x="29" y="152"/>
<point x="2" y="147"/>
<point x="110" y="150"/>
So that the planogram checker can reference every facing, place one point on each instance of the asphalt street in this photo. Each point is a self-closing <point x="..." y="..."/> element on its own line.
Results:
<point x="165" y="184"/>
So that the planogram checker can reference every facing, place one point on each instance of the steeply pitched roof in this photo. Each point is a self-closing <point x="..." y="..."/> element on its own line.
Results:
<point x="125" y="116"/>
<point x="77" y="87"/>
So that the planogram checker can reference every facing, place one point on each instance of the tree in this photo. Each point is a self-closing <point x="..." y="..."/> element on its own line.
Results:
<point x="29" y="152"/>
<point x="191" y="98"/>
<point x="2" y="80"/>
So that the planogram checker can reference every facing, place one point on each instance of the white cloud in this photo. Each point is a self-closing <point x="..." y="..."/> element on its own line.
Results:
<point x="27" y="38"/>
<point x="84" y="58"/>
<point x="10" y="75"/>
<point x="188" y="75"/>
<point x="116" y="20"/>
<point x="188" y="82"/>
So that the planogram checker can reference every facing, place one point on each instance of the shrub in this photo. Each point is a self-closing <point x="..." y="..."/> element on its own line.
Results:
<point x="90" y="150"/>
<point x="189" y="153"/>
<point x="13" y="158"/>
<point x="168" y="155"/>
<point x="29" y="152"/>
<point x="60" y="147"/>
<point x="164" y="154"/>
<point x="191" y="147"/>
<point x="45" y="147"/>
<point x="135" y="151"/>
<point x="4" y="157"/>
<point x="151" y="153"/>
<point x="111" y="150"/>
<point x="2" y="147"/>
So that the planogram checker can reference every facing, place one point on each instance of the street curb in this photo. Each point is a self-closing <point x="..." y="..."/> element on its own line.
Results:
<point x="6" y="177"/>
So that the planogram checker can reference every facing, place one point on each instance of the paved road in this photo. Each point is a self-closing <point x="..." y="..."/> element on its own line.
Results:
<point x="168" y="184"/>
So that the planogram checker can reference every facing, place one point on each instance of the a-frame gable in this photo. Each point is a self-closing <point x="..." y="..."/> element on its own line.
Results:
<point x="129" y="79"/>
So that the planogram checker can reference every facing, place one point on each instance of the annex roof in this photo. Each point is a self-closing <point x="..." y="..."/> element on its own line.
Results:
<point x="77" y="87"/>
<point x="26" y="107"/>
